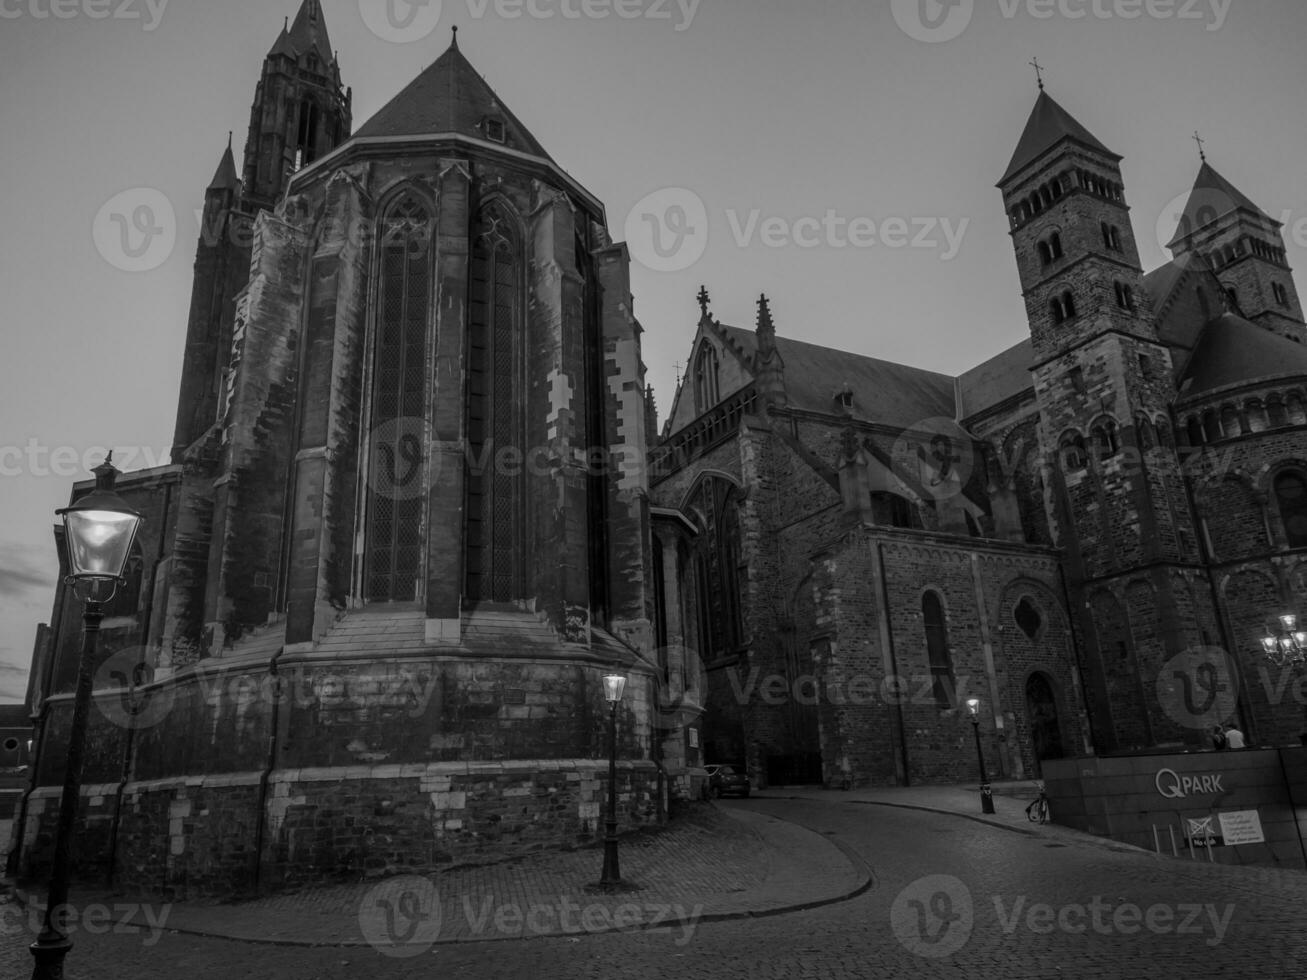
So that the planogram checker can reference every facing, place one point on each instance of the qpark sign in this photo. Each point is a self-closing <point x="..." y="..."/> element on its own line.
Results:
<point x="1173" y="786"/>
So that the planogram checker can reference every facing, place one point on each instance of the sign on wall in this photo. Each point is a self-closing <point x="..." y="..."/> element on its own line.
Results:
<point x="1242" y="827"/>
<point x="1201" y="832"/>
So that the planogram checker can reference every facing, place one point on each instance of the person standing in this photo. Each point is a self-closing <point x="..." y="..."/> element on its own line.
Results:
<point x="1233" y="737"/>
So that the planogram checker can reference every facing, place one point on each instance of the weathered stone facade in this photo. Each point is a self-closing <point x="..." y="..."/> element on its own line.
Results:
<point x="1059" y="527"/>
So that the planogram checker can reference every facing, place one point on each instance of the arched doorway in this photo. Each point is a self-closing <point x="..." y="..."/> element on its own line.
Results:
<point x="1041" y="714"/>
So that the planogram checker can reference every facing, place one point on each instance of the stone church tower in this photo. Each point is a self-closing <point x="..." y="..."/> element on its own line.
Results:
<point x="1104" y="383"/>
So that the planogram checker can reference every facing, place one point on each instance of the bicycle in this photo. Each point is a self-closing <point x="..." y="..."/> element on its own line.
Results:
<point x="1037" y="811"/>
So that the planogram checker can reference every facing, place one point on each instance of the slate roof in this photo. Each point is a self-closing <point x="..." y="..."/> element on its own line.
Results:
<point x="1047" y="126"/>
<point x="1212" y="197"/>
<point x="225" y="176"/>
<point x="1233" y="351"/>
<point x="449" y="97"/>
<point x="997" y="380"/>
<point x="894" y="394"/>
<point x="308" y="33"/>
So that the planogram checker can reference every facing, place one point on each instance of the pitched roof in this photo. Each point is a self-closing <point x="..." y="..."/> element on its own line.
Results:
<point x="449" y="97"/>
<point x="1231" y="351"/>
<point x="1047" y="126"/>
<point x="998" y="379"/>
<point x="308" y="33"/>
<point x="225" y="176"/>
<point x="894" y="394"/>
<point x="1212" y="198"/>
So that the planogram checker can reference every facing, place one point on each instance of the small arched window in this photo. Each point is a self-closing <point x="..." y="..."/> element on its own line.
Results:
<point x="1291" y="498"/>
<point x="1074" y="457"/>
<point x="1055" y="245"/>
<point x="1045" y="254"/>
<point x="937" y="651"/>
<point x="1106" y="440"/>
<point x="1194" y="429"/>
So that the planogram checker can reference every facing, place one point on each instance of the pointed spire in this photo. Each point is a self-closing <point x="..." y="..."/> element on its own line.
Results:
<point x="1049" y="124"/>
<point x="454" y="43"/>
<point x="307" y="34"/>
<point x="704" y="302"/>
<point x="766" y="328"/>
<point x="225" y="177"/>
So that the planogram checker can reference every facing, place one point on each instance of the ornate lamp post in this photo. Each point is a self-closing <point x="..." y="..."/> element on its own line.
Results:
<point x="614" y="685"/>
<point x="98" y="529"/>
<point x="1286" y="644"/>
<point x="986" y="794"/>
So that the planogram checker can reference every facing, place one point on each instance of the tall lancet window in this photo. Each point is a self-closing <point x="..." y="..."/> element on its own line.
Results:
<point x="495" y="392"/>
<point x="396" y="483"/>
<point x="705" y="379"/>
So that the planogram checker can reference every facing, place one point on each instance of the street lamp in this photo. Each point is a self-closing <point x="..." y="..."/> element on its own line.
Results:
<point x="614" y="685"/>
<point x="1286" y="644"/>
<point x="98" y="531"/>
<point x="986" y="794"/>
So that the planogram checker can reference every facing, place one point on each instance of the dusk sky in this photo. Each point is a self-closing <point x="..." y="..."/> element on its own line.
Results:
<point x="777" y="122"/>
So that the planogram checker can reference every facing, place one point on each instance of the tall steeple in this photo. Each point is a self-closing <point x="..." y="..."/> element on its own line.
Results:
<point x="769" y="368"/>
<point x="300" y="113"/>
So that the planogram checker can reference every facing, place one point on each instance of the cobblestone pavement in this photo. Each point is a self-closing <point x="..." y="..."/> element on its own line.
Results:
<point x="951" y="898"/>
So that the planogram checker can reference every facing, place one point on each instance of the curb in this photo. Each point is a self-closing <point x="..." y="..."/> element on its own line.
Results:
<point x="25" y="898"/>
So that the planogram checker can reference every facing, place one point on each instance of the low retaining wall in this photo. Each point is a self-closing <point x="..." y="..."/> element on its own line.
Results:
<point x="1212" y="805"/>
<point x="209" y="836"/>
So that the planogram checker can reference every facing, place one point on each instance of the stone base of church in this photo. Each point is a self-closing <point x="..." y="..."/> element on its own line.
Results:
<point x="238" y="833"/>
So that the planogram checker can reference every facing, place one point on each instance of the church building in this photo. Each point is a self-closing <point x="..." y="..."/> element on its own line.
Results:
<point x="419" y="505"/>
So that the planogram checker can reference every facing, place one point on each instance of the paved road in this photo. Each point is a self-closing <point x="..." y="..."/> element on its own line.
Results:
<point x="952" y="898"/>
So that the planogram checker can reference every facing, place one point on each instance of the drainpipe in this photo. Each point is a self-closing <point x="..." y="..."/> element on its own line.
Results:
<point x="1086" y="715"/>
<point x="260" y="817"/>
<point x="894" y="661"/>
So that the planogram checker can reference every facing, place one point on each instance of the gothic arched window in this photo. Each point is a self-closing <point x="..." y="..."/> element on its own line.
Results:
<point x="393" y="549"/>
<point x="1291" y="498"/>
<point x="493" y="532"/>
<point x="707" y="391"/>
<point x="716" y="512"/>
<point x="941" y="661"/>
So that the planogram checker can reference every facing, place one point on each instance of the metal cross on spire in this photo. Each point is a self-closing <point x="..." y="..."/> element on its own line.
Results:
<point x="704" y="299"/>
<point x="1039" y="72"/>
<point x="1202" y="153"/>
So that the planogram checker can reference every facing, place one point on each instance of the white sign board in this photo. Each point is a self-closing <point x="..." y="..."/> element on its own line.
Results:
<point x="1242" y="827"/>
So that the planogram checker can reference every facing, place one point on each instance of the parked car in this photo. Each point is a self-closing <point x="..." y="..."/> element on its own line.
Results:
<point x="727" y="780"/>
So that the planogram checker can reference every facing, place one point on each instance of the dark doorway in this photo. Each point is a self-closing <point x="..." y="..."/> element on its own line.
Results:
<point x="1041" y="712"/>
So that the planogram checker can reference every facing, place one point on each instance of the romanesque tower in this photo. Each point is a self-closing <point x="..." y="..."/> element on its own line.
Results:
<point x="1245" y="247"/>
<point x="1104" y="385"/>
